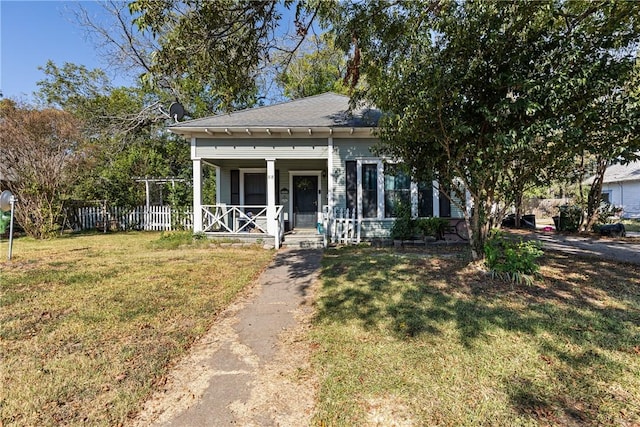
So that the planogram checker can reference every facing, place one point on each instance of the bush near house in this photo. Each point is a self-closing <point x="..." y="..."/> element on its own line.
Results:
<point x="512" y="260"/>
<point x="404" y="226"/>
<point x="433" y="226"/>
<point x="569" y="218"/>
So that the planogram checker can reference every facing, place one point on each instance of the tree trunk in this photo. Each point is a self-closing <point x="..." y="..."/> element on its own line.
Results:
<point x="478" y="226"/>
<point x="518" y="203"/>
<point x="595" y="194"/>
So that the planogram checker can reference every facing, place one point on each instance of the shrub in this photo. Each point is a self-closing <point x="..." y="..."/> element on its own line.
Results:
<point x="512" y="260"/>
<point x="607" y="214"/>
<point x="5" y="219"/>
<point x="570" y="218"/>
<point x="433" y="226"/>
<point x="404" y="226"/>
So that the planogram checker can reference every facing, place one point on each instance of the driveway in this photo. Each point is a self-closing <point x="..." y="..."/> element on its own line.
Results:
<point x="622" y="249"/>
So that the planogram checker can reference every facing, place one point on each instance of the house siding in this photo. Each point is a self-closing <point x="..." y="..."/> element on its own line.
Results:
<point x="343" y="150"/>
<point x="262" y="148"/>
<point x="625" y="194"/>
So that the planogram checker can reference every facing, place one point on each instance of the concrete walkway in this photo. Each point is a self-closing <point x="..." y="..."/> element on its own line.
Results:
<point x="216" y="384"/>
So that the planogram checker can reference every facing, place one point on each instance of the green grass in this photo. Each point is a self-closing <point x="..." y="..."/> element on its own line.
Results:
<point x="427" y="339"/>
<point x="90" y="323"/>
<point x="631" y="224"/>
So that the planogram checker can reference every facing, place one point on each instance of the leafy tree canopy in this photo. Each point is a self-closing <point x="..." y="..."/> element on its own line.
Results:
<point x="476" y="90"/>
<point x="123" y="133"/>
<point x="211" y="53"/>
<point x="320" y="67"/>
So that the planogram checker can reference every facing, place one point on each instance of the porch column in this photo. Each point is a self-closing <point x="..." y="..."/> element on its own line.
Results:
<point x="272" y="223"/>
<point x="197" y="195"/>
<point x="330" y="177"/>
<point x="415" y="211"/>
<point x="218" y="185"/>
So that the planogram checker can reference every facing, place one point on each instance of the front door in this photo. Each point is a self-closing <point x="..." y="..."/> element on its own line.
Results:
<point x="305" y="201"/>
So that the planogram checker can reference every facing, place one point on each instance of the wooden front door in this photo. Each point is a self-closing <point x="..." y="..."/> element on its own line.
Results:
<point x="305" y="201"/>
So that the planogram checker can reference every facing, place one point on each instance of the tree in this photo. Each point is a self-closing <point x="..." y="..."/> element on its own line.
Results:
<point x="611" y="130"/>
<point x="475" y="90"/>
<point x="121" y="141"/>
<point x="213" y="52"/>
<point x="318" y="68"/>
<point x="211" y="56"/>
<point x="39" y="153"/>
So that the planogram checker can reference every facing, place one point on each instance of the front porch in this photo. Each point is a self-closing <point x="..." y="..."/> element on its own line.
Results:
<point x="261" y="198"/>
<point x="249" y="223"/>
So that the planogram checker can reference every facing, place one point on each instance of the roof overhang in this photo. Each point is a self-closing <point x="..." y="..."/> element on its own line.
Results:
<point x="272" y="132"/>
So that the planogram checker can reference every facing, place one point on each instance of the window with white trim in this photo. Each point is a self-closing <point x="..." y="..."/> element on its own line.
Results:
<point x="425" y="199"/>
<point x="397" y="190"/>
<point x="369" y="190"/>
<point x="378" y="189"/>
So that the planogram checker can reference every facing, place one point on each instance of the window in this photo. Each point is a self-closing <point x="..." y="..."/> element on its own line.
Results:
<point x="255" y="189"/>
<point x="606" y="197"/>
<point x="397" y="190"/>
<point x="445" y="203"/>
<point x="425" y="199"/>
<point x="235" y="187"/>
<point x="370" y="190"/>
<point x="379" y="188"/>
<point x="351" y="184"/>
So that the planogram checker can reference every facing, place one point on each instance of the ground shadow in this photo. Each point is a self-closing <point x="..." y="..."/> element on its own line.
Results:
<point x="584" y="304"/>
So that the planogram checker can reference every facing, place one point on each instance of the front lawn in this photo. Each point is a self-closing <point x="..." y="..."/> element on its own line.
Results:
<point x="90" y="323"/>
<point x="631" y="224"/>
<point x="424" y="338"/>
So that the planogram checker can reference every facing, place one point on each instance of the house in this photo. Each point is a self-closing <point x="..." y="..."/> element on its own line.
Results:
<point x="621" y="188"/>
<point x="300" y="166"/>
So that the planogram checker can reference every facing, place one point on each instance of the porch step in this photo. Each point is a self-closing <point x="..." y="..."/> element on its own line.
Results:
<point x="310" y="240"/>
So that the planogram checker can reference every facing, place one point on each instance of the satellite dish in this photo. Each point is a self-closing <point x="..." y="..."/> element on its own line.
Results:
<point x="176" y="111"/>
<point x="5" y="201"/>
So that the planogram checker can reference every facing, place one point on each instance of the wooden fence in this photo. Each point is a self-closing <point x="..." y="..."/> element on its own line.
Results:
<point x="343" y="227"/>
<point x="151" y="218"/>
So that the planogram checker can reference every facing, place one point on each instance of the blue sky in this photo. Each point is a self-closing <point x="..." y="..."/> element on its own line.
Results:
<point x="31" y="33"/>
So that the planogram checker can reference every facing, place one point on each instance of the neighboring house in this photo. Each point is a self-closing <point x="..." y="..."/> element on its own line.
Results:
<point x="621" y="188"/>
<point x="296" y="166"/>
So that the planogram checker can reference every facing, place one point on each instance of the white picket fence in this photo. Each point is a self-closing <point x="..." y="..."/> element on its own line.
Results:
<point x="343" y="226"/>
<point x="151" y="218"/>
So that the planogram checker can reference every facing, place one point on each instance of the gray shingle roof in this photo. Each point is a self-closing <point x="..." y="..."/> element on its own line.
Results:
<point x="325" y="110"/>
<point x="619" y="173"/>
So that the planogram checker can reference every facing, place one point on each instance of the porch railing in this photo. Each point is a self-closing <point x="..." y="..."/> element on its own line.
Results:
<point x="237" y="219"/>
<point x="341" y="226"/>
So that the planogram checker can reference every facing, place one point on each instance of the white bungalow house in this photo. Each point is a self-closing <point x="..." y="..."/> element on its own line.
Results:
<point x="296" y="166"/>
<point x="621" y="188"/>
